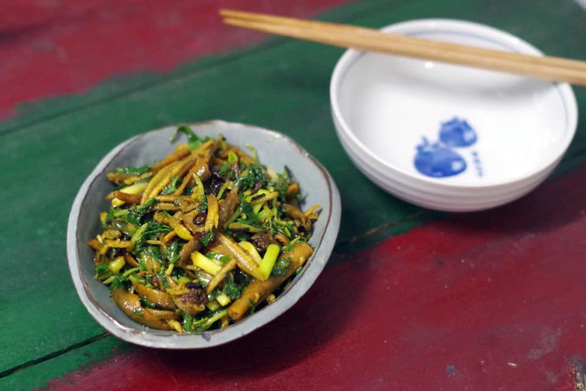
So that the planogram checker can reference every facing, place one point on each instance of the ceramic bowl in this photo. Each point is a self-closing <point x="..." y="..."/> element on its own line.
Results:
<point x="450" y="137"/>
<point x="274" y="150"/>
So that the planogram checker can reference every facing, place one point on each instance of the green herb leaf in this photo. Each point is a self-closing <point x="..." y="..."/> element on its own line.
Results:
<point x="135" y="214"/>
<point x="117" y="282"/>
<point x="256" y="177"/>
<point x="246" y="207"/>
<point x="202" y="322"/>
<point x="252" y="307"/>
<point x="186" y="130"/>
<point x="133" y="170"/>
<point x="187" y="322"/>
<point x="171" y="187"/>
<point x="152" y="230"/>
<point x="172" y="253"/>
<point x="154" y="252"/>
<point x="219" y="257"/>
<point x="146" y="303"/>
<point x="194" y="142"/>
<point x="207" y="238"/>
<point x="225" y="169"/>
<point x="282" y="183"/>
<point x="102" y="269"/>
<point x="204" y="204"/>
<point x="162" y="278"/>
<point x="231" y="289"/>
<point x="281" y="267"/>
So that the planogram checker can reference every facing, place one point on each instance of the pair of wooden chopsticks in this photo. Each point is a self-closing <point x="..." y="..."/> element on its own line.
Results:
<point x="547" y="68"/>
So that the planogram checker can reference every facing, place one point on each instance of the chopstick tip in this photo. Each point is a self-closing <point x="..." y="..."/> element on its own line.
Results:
<point x="230" y="12"/>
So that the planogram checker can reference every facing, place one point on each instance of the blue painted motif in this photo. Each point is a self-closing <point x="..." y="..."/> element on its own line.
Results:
<point x="457" y="133"/>
<point x="477" y="163"/>
<point x="437" y="161"/>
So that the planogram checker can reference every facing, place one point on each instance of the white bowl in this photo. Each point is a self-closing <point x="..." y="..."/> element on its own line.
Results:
<point x="490" y="137"/>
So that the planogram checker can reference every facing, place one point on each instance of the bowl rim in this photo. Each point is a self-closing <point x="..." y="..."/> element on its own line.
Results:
<point x="481" y="31"/>
<point x="144" y="336"/>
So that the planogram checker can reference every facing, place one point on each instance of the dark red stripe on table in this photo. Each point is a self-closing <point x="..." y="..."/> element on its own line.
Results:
<point x="472" y="302"/>
<point x="60" y="47"/>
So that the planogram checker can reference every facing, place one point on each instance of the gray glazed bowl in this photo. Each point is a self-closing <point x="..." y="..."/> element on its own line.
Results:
<point x="275" y="151"/>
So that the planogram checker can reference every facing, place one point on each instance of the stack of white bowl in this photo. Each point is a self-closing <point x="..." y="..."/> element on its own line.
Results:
<point x="448" y="137"/>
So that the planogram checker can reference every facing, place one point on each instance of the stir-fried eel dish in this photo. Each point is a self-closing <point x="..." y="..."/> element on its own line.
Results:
<point x="202" y="238"/>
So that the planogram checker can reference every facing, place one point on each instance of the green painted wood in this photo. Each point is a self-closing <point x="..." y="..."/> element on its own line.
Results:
<point x="35" y="376"/>
<point x="281" y="84"/>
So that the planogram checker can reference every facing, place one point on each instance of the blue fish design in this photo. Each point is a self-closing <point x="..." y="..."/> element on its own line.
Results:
<point x="438" y="161"/>
<point x="457" y="133"/>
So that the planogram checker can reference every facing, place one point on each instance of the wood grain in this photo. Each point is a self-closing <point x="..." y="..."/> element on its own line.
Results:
<point x="281" y="84"/>
<point x="498" y="310"/>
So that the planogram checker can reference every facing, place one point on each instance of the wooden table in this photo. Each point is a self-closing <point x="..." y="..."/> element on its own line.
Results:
<point x="411" y="299"/>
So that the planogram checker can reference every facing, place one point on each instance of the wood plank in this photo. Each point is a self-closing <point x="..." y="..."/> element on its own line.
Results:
<point x="83" y="42"/>
<point x="78" y="358"/>
<point x="502" y="309"/>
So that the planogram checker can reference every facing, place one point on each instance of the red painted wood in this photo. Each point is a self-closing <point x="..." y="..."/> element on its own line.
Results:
<point x="485" y="301"/>
<point x="58" y="47"/>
